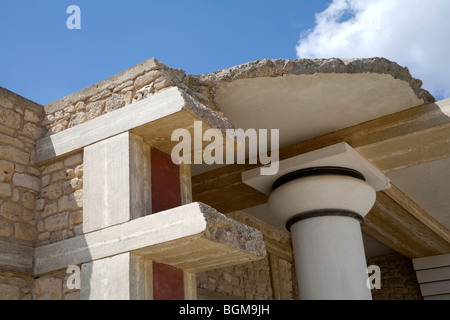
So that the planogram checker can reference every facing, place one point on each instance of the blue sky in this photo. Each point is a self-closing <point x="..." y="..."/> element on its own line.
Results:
<point x="43" y="60"/>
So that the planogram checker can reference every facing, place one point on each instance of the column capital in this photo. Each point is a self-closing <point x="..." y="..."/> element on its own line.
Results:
<point x="339" y="155"/>
<point x="315" y="192"/>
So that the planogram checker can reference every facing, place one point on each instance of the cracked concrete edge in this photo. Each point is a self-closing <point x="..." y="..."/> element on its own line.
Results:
<point x="228" y="231"/>
<point x="202" y="87"/>
<point x="206" y="114"/>
<point x="281" y="67"/>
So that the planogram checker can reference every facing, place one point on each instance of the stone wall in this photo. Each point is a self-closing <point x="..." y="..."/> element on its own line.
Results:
<point x="270" y="278"/>
<point x="59" y="212"/>
<point x="19" y="179"/>
<point x="398" y="278"/>
<point x="129" y="86"/>
<point x="249" y="281"/>
<point x="53" y="287"/>
<point x="15" y="286"/>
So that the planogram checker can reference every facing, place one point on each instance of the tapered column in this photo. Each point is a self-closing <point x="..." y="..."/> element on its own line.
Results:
<point x="324" y="209"/>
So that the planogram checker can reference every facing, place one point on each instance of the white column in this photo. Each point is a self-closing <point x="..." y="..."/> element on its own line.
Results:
<point x="324" y="208"/>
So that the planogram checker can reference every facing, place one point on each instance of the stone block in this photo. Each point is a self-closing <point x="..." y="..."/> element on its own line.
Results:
<point x="65" y="174"/>
<point x="44" y="236"/>
<point x="95" y="109"/>
<point x="39" y="205"/>
<point x="50" y="208"/>
<point x="77" y="119"/>
<point x="6" y="229"/>
<point x="63" y="203"/>
<point x="47" y="288"/>
<point x="6" y="103"/>
<point x="147" y="78"/>
<point x="15" y="195"/>
<point x="9" y="292"/>
<point x="53" y="167"/>
<point x="6" y="171"/>
<point x="5" y="190"/>
<point x="80" y="106"/>
<point x="34" y="171"/>
<point x="24" y="232"/>
<point x="75" y="200"/>
<point x="46" y="180"/>
<point x="57" y="222"/>
<point x="28" y="200"/>
<point x="31" y="116"/>
<point x="11" y="211"/>
<point x="113" y="103"/>
<point x="28" y="216"/>
<point x="126" y="84"/>
<point x="53" y="191"/>
<point x="73" y="160"/>
<point x="48" y="119"/>
<point x="14" y="155"/>
<point x="10" y="118"/>
<point x="14" y="142"/>
<point x="32" y="131"/>
<point x="75" y="218"/>
<point x="27" y="181"/>
<point x="72" y="185"/>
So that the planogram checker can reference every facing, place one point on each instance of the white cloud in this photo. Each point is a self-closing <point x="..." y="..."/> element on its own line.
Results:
<point x="413" y="33"/>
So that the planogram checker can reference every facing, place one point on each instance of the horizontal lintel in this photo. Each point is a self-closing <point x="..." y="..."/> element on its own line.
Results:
<point x="160" y="237"/>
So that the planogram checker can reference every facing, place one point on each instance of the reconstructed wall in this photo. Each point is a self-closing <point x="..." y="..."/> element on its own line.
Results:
<point x="59" y="211"/>
<point x="19" y="178"/>
<point x="19" y="184"/>
<point x="15" y="286"/>
<point x="267" y="279"/>
<point x="43" y="204"/>
<point x="129" y="86"/>
<point x="53" y="287"/>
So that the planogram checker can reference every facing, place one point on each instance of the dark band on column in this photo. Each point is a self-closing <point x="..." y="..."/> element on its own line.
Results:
<point x="324" y="213"/>
<point x="318" y="171"/>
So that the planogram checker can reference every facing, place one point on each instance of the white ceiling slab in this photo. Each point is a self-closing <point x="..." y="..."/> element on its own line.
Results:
<point x="428" y="185"/>
<point x="307" y="106"/>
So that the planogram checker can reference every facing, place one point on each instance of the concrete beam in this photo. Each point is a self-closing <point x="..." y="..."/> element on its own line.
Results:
<point x="154" y="119"/>
<point x="16" y="257"/>
<point x="193" y="237"/>
<point x="399" y="223"/>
